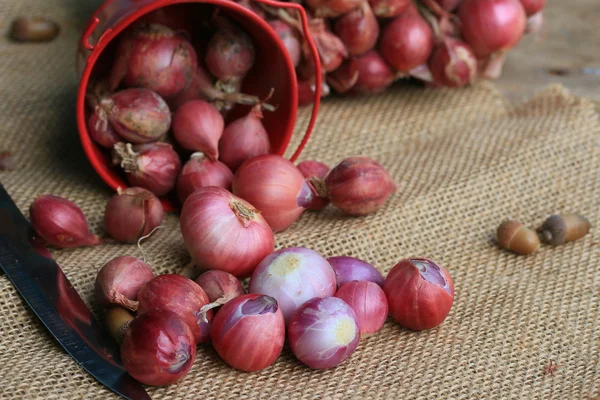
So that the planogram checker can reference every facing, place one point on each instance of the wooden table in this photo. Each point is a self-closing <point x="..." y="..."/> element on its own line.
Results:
<point x="567" y="51"/>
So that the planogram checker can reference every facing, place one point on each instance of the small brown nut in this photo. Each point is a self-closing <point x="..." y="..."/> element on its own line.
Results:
<point x="34" y="29"/>
<point x="562" y="228"/>
<point x="117" y="320"/>
<point x="511" y="235"/>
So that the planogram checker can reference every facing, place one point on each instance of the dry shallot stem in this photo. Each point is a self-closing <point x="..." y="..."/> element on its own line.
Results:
<point x="431" y="11"/>
<point x="139" y="243"/>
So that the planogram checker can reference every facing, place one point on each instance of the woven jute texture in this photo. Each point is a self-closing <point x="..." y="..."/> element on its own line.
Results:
<point x="464" y="161"/>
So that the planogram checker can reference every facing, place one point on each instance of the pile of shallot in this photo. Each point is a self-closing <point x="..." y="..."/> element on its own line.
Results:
<point x="366" y="45"/>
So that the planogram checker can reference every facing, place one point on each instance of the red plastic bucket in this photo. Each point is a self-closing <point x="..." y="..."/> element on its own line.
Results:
<point x="96" y="49"/>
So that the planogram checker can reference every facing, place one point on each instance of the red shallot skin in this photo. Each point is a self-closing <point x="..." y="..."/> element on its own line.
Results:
<point x="348" y="269"/>
<point x="181" y="295"/>
<point x="313" y="169"/>
<point x="332" y="8"/>
<point x="196" y="90"/>
<point x="137" y="115"/>
<point x="152" y="166"/>
<point x="131" y="214"/>
<point x="369" y="303"/>
<point x="359" y="186"/>
<point x="533" y="7"/>
<point x="155" y="57"/>
<point x="119" y="281"/>
<point x="290" y="39"/>
<point x="332" y="50"/>
<point x="343" y="79"/>
<point x="61" y="223"/>
<point x="243" y="139"/>
<point x="324" y="332"/>
<point x="420" y="293"/>
<point x="388" y="8"/>
<point x="102" y="132"/>
<point x="158" y="348"/>
<point x="358" y="30"/>
<point x="449" y="5"/>
<point x="274" y="185"/>
<point x="199" y="172"/>
<point x="292" y="276"/>
<point x="453" y="63"/>
<point x="198" y="126"/>
<point x="229" y="54"/>
<point x="248" y="332"/>
<point x="306" y="92"/>
<point x="407" y="41"/>
<point x="252" y="6"/>
<point x="491" y="26"/>
<point x="220" y="284"/>
<point x="222" y="231"/>
<point x="374" y="74"/>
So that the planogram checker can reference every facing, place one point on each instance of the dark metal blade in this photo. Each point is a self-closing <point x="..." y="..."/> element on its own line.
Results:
<point x="43" y="285"/>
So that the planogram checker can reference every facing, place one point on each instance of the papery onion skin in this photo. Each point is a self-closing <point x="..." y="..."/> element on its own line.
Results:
<point x="200" y="172"/>
<point x="273" y="185"/>
<point x="491" y="26"/>
<point x="453" y="63"/>
<point x="218" y="284"/>
<point x="244" y="138"/>
<point x="102" y="132"/>
<point x="61" y="223"/>
<point x="313" y="169"/>
<point x="407" y="41"/>
<point x="332" y="8"/>
<point x="348" y="269"/>
<point x="243" y="237"/>
<point x="332" y="50"/>
<point x="248" y="332"/>
<point x="120" y="280"/>
<point x="314" y="172"/>
<point x="533" y="7"/>
<point x="181" y="295"/>
<point x="359" y="186"/>
<point x="137" y="115"/>
<point x="198" y="126"/>
<point x="323" y="332"/>
<point x="420" y="293"/>
<point x="343" y="79"/>
<point x="374" y="74"/>
<point x="152" y="166"/>
<point x="292" y="276"/>
<point x="388" y="8"/>
<point x="131" y="214"/>
<point x="153" y="56"/>
<point x="369" y="303"/>
<point x="158" y="348"/>
<point x="358" y="29"/>
<point x="290" y="39"/>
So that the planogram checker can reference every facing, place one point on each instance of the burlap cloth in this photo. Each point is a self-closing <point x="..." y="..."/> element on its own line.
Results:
<point x="464" y="159"/>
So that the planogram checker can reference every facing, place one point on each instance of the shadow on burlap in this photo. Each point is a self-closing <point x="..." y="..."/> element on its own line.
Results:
<point x="464" y="160"/>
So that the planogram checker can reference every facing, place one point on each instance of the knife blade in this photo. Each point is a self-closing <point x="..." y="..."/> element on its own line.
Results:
<point x="45" y="288"/>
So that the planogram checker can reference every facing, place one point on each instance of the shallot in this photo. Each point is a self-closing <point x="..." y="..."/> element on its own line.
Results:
<point x="289" y="37"/>
<point x="420" y="293"/>
<point x="533" y="7"/>
<point x="229" y="53"/>
<point x="198" y="126"/>
<point x="348" y="269"/>
<point x="249" y="332"/>
<point x="222" y="231"/>
<point x="152" y="166"/>
<point x="324" y="332"/>
<point x="158" y="348"/>
<point x="199" y="172"/>
<point x="102" y="132"/>
<point x="453" y="63"/>
<point x="155" y="57"/>
<point x="243" y="139"/>
<point x="343" y="79"/>
<point x="491" y="26"/>
<point x="314" y="172"/>
<point x="274" y="186"/>
<point x="292" y="276"/>
<point x="358" y="29"/>
<point x="220" y="287"/>
<point x="120" y="280"/>
<point x="374" y="74"/>
<point x="359" y="186"/>
<point x="61" y="223"/>
<point x="332" y="8"/>
<point x="132" y="214"/>
<point x="407" y="41"/>
<point x="178" y="294"/>
<point x="369" y="303"/>
<point x="388" y="8"/>
<point x="137" y="115"/>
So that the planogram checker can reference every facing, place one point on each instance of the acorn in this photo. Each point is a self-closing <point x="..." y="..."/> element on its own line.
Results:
<point x="512" y="235"/>
<point x="562" y="228"/>
<point x="33" y="29"/>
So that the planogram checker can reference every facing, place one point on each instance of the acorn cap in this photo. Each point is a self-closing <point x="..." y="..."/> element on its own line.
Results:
<point x="554" y="230"/>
